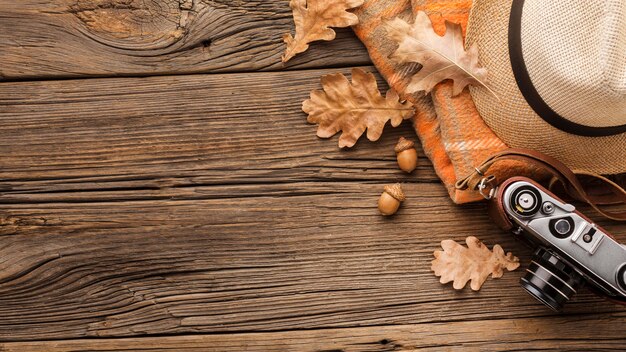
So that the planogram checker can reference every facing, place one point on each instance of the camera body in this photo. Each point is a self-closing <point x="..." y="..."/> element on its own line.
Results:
<point x="571" y="249"/>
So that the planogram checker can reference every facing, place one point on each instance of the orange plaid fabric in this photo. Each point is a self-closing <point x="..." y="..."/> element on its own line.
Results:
<point x="452" y="133"/>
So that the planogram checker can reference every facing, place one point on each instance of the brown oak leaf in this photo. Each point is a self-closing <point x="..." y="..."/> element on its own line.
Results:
<point x="354" y="107"/>
<point x="313" y="19"/>
<point x="441" y="57"/>
<point x="474" y="262"/>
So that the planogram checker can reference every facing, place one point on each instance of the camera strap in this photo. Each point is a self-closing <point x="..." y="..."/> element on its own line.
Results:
<point x="561" y="176"/>
<point x="597" y="191"/>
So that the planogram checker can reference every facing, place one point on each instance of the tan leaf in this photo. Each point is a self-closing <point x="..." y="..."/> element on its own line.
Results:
<point x="353" y="108"/>
<point x="441" y="57"/>
<point x="313" y="19"/>
<point x="474" y="262"/>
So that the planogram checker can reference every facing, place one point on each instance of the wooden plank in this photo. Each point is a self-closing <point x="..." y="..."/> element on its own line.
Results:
<point x="70" y="38"/>
<point x="524" y="334"/>
<point x="157" y="133"/>
<point x="290" y="256"/>
<point x="205" y="204"/>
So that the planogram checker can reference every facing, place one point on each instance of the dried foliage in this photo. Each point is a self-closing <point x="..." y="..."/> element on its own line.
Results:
<point x="474" y="262"/>
<point x="354" y="107"/>
<point x="441" y="57"/>
<point x="313" y="19"/>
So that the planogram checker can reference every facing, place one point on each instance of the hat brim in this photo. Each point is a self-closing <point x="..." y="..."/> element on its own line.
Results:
<point x="510" y="116"/>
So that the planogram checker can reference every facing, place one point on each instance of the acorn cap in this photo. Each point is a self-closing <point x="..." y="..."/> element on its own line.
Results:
<point x="403" y="144"/>
<point x="395" y="191"/>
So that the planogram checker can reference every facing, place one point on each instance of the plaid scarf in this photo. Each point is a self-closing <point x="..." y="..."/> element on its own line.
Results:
<point x="452" y="133"/>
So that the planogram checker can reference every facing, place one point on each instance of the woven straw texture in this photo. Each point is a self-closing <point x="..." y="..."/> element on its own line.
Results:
<point x="579" y="70"/>
<point x="575" y="53"/>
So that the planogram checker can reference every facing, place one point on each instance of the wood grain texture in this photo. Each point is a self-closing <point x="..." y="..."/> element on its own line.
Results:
<point x="205" y="204"/>
<point x="525" y="334"/>
<point x="297" y="256"/>
<point x="162" y="132"/>
<point x="70" y="38"/>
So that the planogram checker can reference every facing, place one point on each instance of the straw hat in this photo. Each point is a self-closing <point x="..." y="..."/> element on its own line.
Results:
<point x="559" y="70"/>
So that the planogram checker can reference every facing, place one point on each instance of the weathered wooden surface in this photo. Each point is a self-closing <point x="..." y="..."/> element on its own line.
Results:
<point x="200" y="212"/>
<point x="523" y="334"/>
<point x="68" y="38"/>
<point x="205" y="204"/>
<point x="200" y="128"/>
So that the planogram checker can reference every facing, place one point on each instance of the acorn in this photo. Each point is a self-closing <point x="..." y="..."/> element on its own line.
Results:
<point x="390" y="199"/>
<point x="406" y="154"/>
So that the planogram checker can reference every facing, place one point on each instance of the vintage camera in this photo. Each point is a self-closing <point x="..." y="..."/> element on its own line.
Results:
<point x="571" y="249"/>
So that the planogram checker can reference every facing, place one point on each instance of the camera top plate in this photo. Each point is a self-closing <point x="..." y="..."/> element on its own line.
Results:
<point x="550" y="222"/>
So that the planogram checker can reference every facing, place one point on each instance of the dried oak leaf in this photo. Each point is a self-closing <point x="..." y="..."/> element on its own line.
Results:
<point x="313" y="19"/>
<point x="354" y="107"/>
<point x="474" y="262"/>
<point x="441" y="57"/>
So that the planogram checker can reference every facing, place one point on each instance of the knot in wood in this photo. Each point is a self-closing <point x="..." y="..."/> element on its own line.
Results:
<point x="134" y="24"/>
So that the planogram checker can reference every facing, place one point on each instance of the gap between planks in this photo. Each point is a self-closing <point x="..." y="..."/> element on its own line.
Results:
<point x="83" y="255"/>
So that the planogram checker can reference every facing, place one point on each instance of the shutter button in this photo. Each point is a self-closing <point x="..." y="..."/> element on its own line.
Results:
<point x="547" y="208"/>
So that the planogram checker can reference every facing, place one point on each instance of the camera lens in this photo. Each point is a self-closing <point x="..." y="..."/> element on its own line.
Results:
<point x="550" y="280"/>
